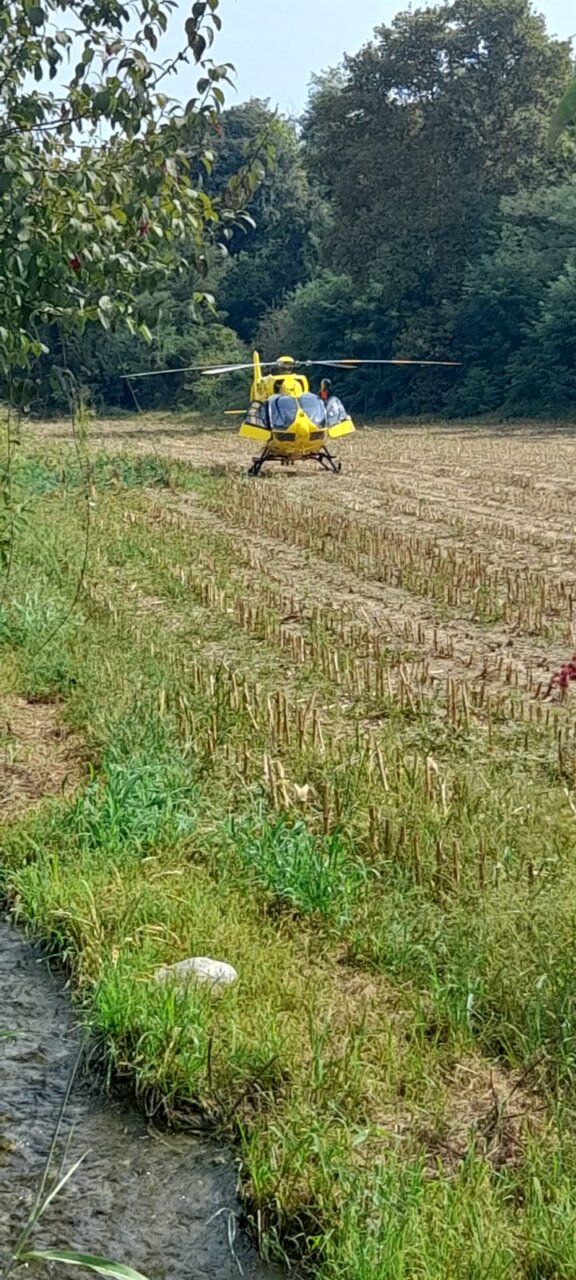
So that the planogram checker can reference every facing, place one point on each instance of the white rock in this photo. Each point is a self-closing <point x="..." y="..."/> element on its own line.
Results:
<point x="200" y="969"/>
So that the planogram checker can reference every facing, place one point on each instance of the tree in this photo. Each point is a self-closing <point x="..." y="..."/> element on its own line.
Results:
<point x="418" y="137"/>
<point x="275" y="253"/>
<point x="82" y="222"/>
<point x="542" y="372"/>
<point x="314" y="321"/>
<point x="498" y="321"/>
<point x="328" y="318"/>
<point x="100" y="362"/>
<point x="564" y="115"/>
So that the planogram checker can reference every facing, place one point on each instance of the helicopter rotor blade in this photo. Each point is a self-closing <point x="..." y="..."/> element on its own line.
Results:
<point x="445" y="364"/>
<point x="157" y="373"/>
<point x="354" y="363"/>
<point x="212" y="370"/>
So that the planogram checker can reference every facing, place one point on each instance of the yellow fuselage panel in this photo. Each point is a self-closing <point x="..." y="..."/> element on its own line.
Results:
<point x="340" y="429"/>
<point x="284" y="384"/>
<point x="250" y="432"/>
<point x="300" y="438"/>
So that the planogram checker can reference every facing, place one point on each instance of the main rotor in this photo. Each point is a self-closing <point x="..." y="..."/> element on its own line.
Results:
<point x="287" y="363"/>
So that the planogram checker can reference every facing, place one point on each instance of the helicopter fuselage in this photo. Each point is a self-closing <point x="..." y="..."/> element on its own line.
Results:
<point x="288" y="419"/>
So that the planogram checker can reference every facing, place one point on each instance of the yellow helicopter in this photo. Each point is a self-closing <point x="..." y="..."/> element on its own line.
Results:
<point x="290" y="421"/>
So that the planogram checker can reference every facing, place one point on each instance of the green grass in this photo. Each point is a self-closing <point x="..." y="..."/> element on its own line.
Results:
<point x="33" y="476"/>
<point x="387" y="938"/>
<point x="309" y="874"/>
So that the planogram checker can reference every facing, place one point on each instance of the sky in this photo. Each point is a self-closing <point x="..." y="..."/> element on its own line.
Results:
<point x="277" y="45"/>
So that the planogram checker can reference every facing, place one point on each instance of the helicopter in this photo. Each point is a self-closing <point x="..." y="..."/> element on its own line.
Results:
<point x="290" y="421"/>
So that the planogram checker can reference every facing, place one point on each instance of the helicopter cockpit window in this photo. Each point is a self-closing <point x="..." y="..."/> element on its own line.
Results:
<point x="283" y="410"/>
<point x="314" y="409"/>
<point x="335" y="411"/>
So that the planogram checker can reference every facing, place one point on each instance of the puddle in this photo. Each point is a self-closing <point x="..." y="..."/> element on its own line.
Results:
<point x="137" y="1199"/>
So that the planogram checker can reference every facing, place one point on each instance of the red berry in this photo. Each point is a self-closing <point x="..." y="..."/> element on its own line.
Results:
<point x="75" y="263"/>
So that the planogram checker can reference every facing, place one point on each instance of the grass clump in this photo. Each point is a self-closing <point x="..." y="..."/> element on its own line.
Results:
<point x="132" y="806"/>
<point x="300" y="870"/>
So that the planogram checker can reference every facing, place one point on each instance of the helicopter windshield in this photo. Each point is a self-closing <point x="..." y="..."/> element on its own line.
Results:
<point x="335" y="411"/>
<point x="283" y="410"/>
<point x="314" y="409"/>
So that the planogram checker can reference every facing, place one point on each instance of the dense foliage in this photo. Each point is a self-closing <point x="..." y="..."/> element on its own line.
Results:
<point x="423" y="207"/>
<point x="421" y="143"/>
<point x="102" y="199"/>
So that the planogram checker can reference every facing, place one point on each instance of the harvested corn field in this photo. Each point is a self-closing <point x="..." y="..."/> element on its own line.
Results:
<point x="329" y="737"/>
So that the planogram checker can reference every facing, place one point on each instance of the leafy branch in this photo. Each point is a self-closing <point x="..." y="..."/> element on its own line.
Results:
<point x="564" y="115"/>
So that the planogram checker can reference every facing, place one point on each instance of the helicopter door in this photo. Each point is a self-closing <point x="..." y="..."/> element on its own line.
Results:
<point x="335" y="411"/>
<point x="338" y="420"/>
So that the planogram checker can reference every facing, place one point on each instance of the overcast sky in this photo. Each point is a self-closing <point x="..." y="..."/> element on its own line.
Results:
<point x="276" y="45"/>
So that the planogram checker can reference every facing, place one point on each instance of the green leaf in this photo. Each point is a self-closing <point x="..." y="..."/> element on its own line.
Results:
<point x="103" y="1266"/>
<point x="102" y="101"/>
<point x="564" y="115"/>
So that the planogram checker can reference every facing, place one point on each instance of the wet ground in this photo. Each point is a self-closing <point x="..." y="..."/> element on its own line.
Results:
<point x="138" y="1199"/>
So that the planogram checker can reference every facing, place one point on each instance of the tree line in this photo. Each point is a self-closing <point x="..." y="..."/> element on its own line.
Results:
<point x="418" y="209"/>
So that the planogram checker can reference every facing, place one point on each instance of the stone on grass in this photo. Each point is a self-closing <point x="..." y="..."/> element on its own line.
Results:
<point x="199" y="969"/>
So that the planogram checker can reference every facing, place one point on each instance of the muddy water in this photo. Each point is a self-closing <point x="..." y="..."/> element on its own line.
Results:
<point x="138" y="1199"/>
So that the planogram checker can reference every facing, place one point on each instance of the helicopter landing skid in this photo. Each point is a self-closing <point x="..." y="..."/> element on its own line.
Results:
<point x="327" y="461"/>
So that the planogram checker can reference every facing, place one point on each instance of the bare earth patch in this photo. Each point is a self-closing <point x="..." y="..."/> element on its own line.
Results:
<point x="39" y="756"/>
<point x="487" y="1109"/>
